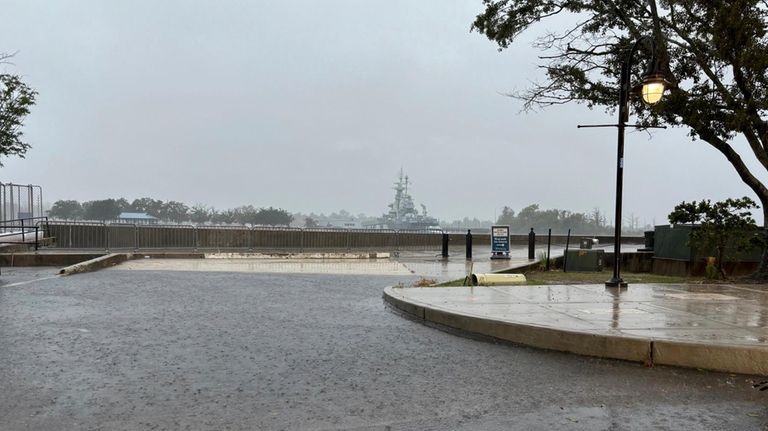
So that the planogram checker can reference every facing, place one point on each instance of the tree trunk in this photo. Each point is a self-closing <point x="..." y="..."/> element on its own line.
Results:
<point x="721" y="262"/>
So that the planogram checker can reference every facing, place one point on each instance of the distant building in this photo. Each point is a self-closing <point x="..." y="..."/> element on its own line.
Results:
<point x="138" y="218"/>
<point x="345" y="223"/>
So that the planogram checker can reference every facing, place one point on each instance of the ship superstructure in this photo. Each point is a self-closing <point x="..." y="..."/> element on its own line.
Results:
<point x="402" y="212"/>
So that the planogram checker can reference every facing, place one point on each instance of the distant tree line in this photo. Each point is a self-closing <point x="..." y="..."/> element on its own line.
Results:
<point x="334" y="219"/>
<point x="466" y="223"/>
<point x="594" y="223"/>
<point x="169" y="211"/>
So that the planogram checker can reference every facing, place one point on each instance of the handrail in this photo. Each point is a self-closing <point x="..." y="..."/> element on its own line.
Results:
<point x="25" y="218"/>
<point x="35" y="227"/>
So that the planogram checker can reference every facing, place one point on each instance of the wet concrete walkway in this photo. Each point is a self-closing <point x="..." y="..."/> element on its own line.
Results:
<point x="426" y="264"/>
<point x="718" y="327"/>
<point x="422" y="264"/>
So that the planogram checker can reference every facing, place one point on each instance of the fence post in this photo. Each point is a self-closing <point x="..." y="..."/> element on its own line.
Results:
<point x="349" y="243"/>
<point x="468" y="244"/>
<point x="531" y="244"/>
<point x="549" y="244"/>
<point x="195" y="237"/>
<point x="135" y="237"/>
<point x="22" y="231"/>
<point x="106" y="234"/>
<point x="301" y="248"/>
<point x="40" y="202"/>
<point x="13" y="207"/>
<point x="445" y="245"/>
<point x="565" y="255"/>
<point x="36" y="245"/>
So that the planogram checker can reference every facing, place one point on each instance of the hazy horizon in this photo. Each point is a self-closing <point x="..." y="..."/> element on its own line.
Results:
<point x="316" y="106"/>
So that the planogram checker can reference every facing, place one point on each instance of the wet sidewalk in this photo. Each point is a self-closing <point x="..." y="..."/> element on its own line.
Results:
<point x="431" y="265"/>
<point x="717" y="327"/>
<point x="426" y="264"/>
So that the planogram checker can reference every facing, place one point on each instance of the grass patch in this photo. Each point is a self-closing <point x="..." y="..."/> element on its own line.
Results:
<point x="453" y="283"/>
<point x="539" y="278"/>
<point x="424" y="282"/>
<point x="559" y="277"/>
<point x="542" y="263"/>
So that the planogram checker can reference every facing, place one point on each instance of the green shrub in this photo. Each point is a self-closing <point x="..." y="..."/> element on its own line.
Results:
<point x="542" y="261"/>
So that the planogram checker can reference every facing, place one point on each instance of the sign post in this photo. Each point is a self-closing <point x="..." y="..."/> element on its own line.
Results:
<point x="500" y="242"/>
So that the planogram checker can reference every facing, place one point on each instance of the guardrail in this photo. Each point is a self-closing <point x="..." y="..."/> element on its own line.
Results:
<point x="19" y="224"/>
<point x="124" y="236"/>
<point x="27" y="235"/>
<point x="22" y="231"/>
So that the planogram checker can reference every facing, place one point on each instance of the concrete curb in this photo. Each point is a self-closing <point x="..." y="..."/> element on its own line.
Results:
<point x="95" y="264"/>
<point x="727" y="358"/>
<point x="318" y="255"/>
<point x="45" y="259"/>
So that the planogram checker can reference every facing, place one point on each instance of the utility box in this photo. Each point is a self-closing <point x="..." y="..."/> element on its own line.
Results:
<point x="587" y="243"/>
<point x="584" y="260"/>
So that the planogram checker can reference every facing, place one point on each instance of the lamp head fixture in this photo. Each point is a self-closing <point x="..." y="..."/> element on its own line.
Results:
<point x="653" y="88"/>
<point x="654" y="83"/>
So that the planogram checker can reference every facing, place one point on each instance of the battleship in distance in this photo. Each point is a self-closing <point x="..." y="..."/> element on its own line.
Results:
<point x="402" y="212"/>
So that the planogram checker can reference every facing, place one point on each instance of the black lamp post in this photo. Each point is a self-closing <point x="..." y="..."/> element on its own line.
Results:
<point x="652" y="89"/>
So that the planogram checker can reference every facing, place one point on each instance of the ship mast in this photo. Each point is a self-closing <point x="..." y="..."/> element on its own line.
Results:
<point x="403" y="213"/>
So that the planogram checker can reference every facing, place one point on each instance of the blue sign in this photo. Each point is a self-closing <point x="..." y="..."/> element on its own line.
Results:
<point x="500" y="239"/>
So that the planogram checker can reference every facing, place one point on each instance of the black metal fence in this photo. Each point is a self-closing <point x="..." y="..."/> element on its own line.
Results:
<point x="23" y="231"/>
<point x="122" y="236"/>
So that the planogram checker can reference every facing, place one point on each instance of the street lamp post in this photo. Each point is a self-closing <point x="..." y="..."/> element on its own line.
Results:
<point x="652" y="89"/>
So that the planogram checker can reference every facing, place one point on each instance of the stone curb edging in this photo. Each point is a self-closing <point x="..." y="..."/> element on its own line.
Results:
<point x="96" y="264"/>
<point x="318" y="255"/>
<point x="727" y="358"/>
<point x="112" y="259"/>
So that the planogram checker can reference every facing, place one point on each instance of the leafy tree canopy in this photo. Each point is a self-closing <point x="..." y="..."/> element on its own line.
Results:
<point x="105" y="209"/>
<point x="723" y="227"/>
<point x="557" y="220"/>
<point x="200" y="213"/>
<point x="66" y="210"/>
<point x="173" y="211"/>
<point x="310" y="222"/>
<point x="273" y="216"/>
<point x="16" y="99"/>
<point x="715" y="52"/>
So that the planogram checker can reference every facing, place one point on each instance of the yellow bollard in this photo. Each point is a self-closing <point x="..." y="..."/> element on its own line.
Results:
<point x="497" y="279"/>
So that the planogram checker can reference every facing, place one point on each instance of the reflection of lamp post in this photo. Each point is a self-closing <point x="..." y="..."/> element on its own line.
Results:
<point x="652" y="89"/>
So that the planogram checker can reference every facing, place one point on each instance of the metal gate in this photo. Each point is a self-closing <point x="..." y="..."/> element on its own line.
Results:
<point x="19" y="204"/>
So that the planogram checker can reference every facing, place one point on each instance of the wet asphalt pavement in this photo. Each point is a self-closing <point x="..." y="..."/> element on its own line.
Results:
<point x="205" y="350"/>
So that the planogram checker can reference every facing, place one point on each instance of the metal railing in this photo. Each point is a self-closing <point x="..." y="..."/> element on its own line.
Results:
<point x="123" y="236"/>
<point x="129" y="236"/>
<point x="23" y="231"/>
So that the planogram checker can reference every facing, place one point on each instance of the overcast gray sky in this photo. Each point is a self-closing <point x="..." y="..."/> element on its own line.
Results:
<point x="315" y="106"/>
